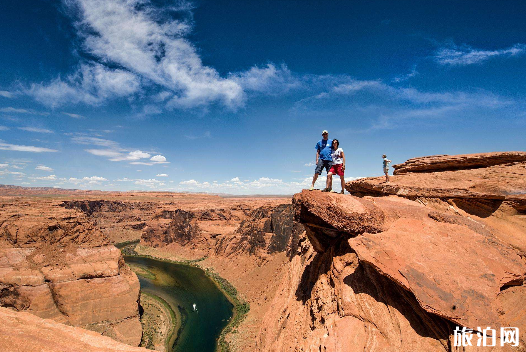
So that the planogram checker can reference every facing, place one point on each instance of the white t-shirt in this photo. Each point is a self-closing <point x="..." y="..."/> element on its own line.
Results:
<point x="337" y="156"/>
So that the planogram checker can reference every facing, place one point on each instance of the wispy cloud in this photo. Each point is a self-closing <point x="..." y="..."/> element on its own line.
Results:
<point x="148" y="46"/>
<point x="35" y="129"/>
<point x="92" y="83"/>
<point x="4" y="128"/>
<point x="6" y="94"/>
<point x="454" y="55"/>
<point x="407" y="76"/>
<point x="114" y="152"/>
<point x="25" y="148"/>
<point x="45" y="178"/>
<point x="44" y="168"/>
<point x="270" y="79"/>
<point x="161" y="175"/>
<point x="11" y="110"/>
<point x="75" y="116"/>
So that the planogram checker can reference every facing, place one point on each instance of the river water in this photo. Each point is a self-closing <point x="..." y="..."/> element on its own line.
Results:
<point x="182" y="286"/>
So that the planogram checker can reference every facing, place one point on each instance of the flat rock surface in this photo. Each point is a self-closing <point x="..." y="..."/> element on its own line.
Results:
<point x="458" y="162"/>
<point x="498" y="182"/>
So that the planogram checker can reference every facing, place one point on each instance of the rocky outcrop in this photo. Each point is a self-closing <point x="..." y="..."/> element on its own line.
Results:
<point x="458" y="162"/>
<point x="56" y="264"/>
<point x="167" y="227"/>
<point x="428" y="253"/>
<point x="399" y="265"/>
<point x="266" y="230"/>
<point x="21" y="331"/>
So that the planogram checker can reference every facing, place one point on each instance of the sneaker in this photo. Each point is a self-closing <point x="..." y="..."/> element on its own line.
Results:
<point x="342" y="192"/>
<point x="311" y="188"/>
<point x="326" y="190"/>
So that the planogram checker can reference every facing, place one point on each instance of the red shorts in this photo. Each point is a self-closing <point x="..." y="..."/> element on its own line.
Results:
<point x="337" y="169"/>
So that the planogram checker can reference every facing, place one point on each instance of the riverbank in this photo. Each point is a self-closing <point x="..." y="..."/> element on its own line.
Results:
<point x="240" y="307"/>
<point x="159" y="321"/>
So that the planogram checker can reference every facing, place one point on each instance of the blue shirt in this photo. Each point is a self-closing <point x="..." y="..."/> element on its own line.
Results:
<point x="324" y="147"/>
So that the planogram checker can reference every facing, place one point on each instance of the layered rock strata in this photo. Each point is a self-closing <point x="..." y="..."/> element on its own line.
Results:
<point x="458" y="162"/>
<point x="398" y="266"/>
<point x="56" y="264"/>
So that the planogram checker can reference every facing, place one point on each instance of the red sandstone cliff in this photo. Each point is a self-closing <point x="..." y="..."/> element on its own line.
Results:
<point x="56" y="264"/>
<point x="396" y="268"/>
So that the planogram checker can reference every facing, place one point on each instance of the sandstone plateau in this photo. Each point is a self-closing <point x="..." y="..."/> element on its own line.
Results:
<point x="391" y="267"/>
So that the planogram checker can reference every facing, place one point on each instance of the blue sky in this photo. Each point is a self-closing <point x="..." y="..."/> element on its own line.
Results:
<point x="231" y="96"/>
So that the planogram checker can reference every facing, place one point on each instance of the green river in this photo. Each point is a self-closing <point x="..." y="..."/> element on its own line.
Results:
<point x="182" y="286"/>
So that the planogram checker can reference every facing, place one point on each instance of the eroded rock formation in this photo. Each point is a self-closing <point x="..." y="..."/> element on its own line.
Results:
<point x="398" y="266"/>
<point x="56" y="264"/>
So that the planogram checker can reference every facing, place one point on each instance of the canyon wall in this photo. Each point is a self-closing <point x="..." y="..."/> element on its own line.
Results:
<point x="55" y="263"/>
<point x="397" y="266"/>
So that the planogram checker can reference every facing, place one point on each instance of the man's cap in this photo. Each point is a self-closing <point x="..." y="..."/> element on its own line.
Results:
<point x="325" y="131"/>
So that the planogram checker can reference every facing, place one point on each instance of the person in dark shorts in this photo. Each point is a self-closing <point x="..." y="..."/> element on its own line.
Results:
<point x="323" y="158"/>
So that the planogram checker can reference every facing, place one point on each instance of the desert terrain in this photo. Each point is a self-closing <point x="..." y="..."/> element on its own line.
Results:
<point x="389" y="267"/>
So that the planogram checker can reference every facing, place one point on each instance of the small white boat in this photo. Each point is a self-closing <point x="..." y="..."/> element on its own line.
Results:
<point x="195" y="307"/>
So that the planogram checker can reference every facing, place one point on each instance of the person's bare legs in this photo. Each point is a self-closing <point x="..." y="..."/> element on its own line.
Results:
<point x="386" y="177"/>
<point x="314" y="178"/>
<point x="329" y="180"/>
<point x="342" y="179"/>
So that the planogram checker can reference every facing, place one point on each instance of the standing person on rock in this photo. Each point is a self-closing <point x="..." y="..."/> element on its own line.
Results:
<point x="338" y="165"/>
<point x="386" y="163"/>
<point x="323" y="158"/>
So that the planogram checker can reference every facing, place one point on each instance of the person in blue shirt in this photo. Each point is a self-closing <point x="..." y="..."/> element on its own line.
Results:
<point x="323" y="158"/>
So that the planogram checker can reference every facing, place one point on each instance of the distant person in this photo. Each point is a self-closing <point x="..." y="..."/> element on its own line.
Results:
<point x="323" y="158"/>
<point x="338" y="165"/>
<point x="386" y="167"/>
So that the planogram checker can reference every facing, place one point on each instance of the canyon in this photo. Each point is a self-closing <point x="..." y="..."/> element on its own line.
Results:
<point x="389" y="267"/>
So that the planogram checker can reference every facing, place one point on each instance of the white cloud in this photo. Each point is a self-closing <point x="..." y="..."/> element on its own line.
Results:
<point x="95" y="141"/>
<point x="134" y="155"/>
<point x="310" y="164"/>
<point x="44" y="168"/>
<point x="35" y="129"/>
<point x="97" y="180"/>
<point x="104" y="152"/>
<point x="75" y="116"/>
<point x="161" y="175"/>
<point x="465" y="55"/>
<point x="189" y="182"/>
<point x="45" y="178"/>
<point x="149" y="46"/>
<point x="4" y="128"/>
<point x="11" y="110"/>
<point x="269" y="80"/>
<point x="150" y="183"/>
<point x="6" y="94"/>
<point x="262" y="185"/>
<point x="24" y="148"/>
<point x="403" y="78"/>
<point x="4" y="165"/>
<point x="91" y="84"/>
<point x="114" y="152"/>
<point x="159" y="159"/>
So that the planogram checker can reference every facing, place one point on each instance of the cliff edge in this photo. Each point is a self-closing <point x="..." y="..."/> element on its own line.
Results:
<point x="397" y="266"/>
